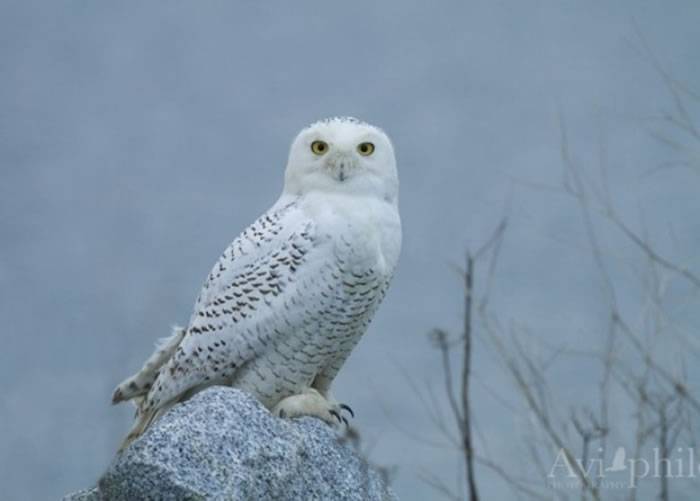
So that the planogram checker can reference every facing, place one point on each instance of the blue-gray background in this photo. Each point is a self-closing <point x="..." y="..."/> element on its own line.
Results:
<point x="137" y="139"/>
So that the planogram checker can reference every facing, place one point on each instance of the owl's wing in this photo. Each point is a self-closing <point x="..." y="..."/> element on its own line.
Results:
<point x="249" y="298"/>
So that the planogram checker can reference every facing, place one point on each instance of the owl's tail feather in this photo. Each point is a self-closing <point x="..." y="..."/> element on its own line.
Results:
<point x="138" y="385"/>
<point x="144" y="419"/>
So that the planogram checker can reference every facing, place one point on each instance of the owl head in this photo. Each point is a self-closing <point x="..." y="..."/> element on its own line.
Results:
<point x="342" y="155"/>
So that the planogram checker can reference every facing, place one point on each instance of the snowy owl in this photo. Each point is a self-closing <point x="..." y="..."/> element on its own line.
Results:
<point x="291" y="296"/>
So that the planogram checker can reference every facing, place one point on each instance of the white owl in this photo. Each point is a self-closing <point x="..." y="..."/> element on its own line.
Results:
<point x="291" y="296"/>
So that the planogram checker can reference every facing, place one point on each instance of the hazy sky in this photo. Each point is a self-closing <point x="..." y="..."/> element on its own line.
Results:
<point x="138" y="139"/>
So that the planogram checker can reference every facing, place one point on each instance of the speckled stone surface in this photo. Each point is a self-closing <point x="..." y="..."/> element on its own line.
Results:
<point x="223" y="444"/>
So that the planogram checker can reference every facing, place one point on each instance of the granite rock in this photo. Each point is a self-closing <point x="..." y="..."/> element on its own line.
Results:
<point x="223" y="444"/>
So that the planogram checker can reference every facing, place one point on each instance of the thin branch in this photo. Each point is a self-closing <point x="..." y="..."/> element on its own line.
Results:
<point x="466" y="370"/>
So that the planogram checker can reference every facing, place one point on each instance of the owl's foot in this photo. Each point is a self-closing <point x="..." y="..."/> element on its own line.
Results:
<point x="312" y="403"/>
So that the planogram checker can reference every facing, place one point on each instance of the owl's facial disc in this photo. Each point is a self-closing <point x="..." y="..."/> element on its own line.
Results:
<point x="342" y="155"/>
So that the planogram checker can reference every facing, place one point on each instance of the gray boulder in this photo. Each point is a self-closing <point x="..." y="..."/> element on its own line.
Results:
<point x="223" y="444"/>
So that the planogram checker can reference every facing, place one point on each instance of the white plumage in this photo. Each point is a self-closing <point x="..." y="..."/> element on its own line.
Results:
<point x="292" y="295"/>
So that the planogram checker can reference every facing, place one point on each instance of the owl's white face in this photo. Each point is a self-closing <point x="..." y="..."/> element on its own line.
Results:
<point x="342" y="155"/>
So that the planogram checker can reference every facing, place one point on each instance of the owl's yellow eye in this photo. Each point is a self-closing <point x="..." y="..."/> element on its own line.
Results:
<point x="365" y="149"/>
<point x="319" y="147"/>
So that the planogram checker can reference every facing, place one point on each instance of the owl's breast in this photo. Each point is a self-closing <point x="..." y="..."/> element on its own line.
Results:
<point x="365" y="232"/>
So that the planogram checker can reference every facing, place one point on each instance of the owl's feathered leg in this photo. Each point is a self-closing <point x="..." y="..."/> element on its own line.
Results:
<point x="138" y="385"/>
<point x="311" y="403"/>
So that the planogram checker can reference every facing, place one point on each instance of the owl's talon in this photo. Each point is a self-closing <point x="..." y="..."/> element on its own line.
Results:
<point x="339" y="417"/>
<point x="117" y="396"/>
<point x="336" y="415"/>
<point x="282" y="413"/>
<point x="346" y="407"/>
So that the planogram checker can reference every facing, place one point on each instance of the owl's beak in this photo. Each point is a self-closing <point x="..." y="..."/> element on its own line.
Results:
<point x="341" y="165"/>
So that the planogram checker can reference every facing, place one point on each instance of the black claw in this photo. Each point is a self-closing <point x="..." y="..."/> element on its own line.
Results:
<point x="117" y="397"/>
<point x="345" y="421"/>
<point x="335" y="414"/>
<point x="282" y="414"/>
<point x="347" y="408"/>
